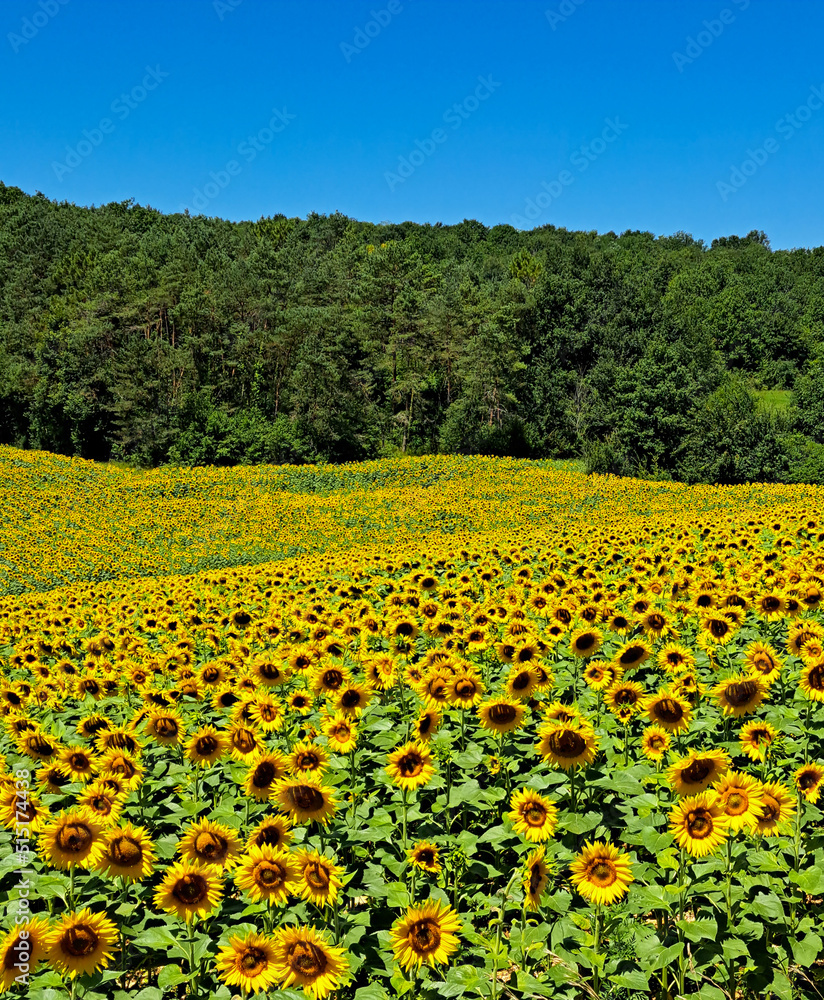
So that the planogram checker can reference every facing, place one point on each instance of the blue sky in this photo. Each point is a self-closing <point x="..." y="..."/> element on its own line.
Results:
<point x="598" y="114"/>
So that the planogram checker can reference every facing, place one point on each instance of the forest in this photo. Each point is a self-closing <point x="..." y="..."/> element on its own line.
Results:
<point x="131" y="335"/>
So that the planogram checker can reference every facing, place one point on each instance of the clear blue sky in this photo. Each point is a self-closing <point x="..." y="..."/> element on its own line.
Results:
<point x="355" y="96"/>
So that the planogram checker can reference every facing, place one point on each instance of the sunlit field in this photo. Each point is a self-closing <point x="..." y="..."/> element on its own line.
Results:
<point x="434" y="727"/>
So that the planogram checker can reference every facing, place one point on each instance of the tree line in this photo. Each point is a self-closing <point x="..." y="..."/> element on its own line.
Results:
<point x="129" y="334"/>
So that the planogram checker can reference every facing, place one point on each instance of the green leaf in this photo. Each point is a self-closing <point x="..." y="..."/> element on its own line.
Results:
<point x="397" y="895"/>
<point x="698" y="930"/>
<point x="579" y="823"/>
<point x="655" y="841"/>
<point x="632" y="980"/>
<point x="374" y="991"/>
<point x="767" y="905"/>
<point x="463" y="978"/>
<point x="171" y="975"/>
<point x="807" y="950"/>
<point x="733" y="948"/>
<point x="811" y="880"/>
<point x="781" y="986"/>
<point x="159" y="938"/>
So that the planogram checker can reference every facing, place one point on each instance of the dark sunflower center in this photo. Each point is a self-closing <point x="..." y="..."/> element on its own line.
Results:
<point x="79" y="761"/>
<point x="410" y="765"/>
<point x="696" y="772"/>
<point x="332" y="679"/>
<point x="425" y="725"/>
<point x="74" y="838"/>
<point x="668" y="710"/>
<point x="264" y="774"/>
<point x="270" y="836"/>
<point x="502" y="714"/>
<point x="521" y="681"/>
<point x="424" y="937"/>
<point x="244" y="741"/>
<point x="585" y="641"/>
<point x="566" y="743"/>
<point x="166" y="728"/>
<point x="736" y="803"/>
<point x="79" y="941"/>
<point x="350" y="699"/>
<point x="534" y="813"/>
<point x="253" y="960"/>
<point x="770" y="809"/>
<point x="270" y="876"/>
<point x="307" y="959"/>
<point x="771" y="604"/>
<point x="719" y="628"/>
<point x="308" y="761"/>
<point x="206" y="746"/>
<point x="317" y="876"/>
<point x="758" y="736"/>
<point x="631" y="655"/>
<point x="268" y="671"/>
<point x="625" y="696"/>
<point x="656" y="742"/>
<point x="211" y="846"/>
<point x="815" y="678"/>
<point x="807" y="780"/>
<point x="426" y="856"/>
<point x="602" y="873"/>
<point x="535" y="879"/>
<point x="699" y="824"/>
<point x="740" y="692"/>
<point x="11" y="958"/>
<point x="210" y="675"/>
<point x="190" y="889"/>
<point x="307" y="798"/>
<point x="657" y="622"/>
<point x="465" y="689"/>
<point x="101" y="804"/>
<point x="125" y="852"/>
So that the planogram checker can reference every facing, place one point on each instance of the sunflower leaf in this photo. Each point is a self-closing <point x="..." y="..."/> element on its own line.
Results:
<point x="811" y="880"/>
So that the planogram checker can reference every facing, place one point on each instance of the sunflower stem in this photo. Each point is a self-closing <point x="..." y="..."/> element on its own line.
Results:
<point x="404" y="794"/>
<point x="524" y="956"/>
<point x="71" y="891"/>
<point x="731" y="961"/>
<point x="596" y="978"/>
<point x="190" y="940"/>
<point x="682" y="901"/>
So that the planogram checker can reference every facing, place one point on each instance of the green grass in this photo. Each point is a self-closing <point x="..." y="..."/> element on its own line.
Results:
<point x="774" y="399"/>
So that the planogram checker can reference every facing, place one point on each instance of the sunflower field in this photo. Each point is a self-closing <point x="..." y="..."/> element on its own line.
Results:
<point x="424" y="728"/>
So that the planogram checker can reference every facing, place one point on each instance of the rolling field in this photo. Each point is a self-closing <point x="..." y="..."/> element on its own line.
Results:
<point x="433" y="727"/>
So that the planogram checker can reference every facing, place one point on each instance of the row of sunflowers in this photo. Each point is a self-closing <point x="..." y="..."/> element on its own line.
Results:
<point x="503" y="763"/>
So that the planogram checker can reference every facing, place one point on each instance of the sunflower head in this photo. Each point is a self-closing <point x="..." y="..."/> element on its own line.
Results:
<point x="427" y="933"/>
<point x="601" y="873"/>
<point x="248" y="962"/>
<point x="81" y="943"/>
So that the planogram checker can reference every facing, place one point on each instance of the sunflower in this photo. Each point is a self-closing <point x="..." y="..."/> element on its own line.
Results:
<point x="465" y="691"/>
<point x="410" y="766"/>
<point x="76" y="763"/>
<point x="770" y="607"/>
<point x="274" y="831"/>
<point x="812" y="681"/>
<point x="128" y="852"/>
<point x="121" y="764"/>
<point x="300" y="701"/>
<point x="24" y="945"/>
<point x="81" y="943"/>
<point x="16" y="810"/>
<point x="777" y="809"/>
<point x="763" y="660"/>
<point x="267" y="672"/>
<point x="699" y="823"/>
<point x="38" y="746"/>
<point x="586" y="642"/>
<point x="697" y="771"/>
<point x="353" y="698"/>
<point x="522" y="682"/>
<point x="267" y="874"/>
<point x="53" y="779"/>
<point x="801" y="633"/>
<point x="304" y="958"/>
<point x="755" y="739"/>
<point x="558" y="712"/>
<point x="248" y="962"/>
<point x="426" y="725"/>
<point x="624" y="695"/>
<point x="104" y="805"/>
<point x="209" y="844"/>
<point x="319" y="879"/>
<point x="264" y="773"/>
<point x="741" y="796"/>
<point x="307" y="758"/>
<point x="740" y="694"/>
<point x="674" y="658"/>
<point x="425" y="855"/>
<point x="266" y="713"/>
<point x="601" y="873"/>
<point x="536" y="878"/>
<point x="809" y="779"/>
<point x="599" y="675"/>
<point x="655" y="741"/>
<point x="666" y="709"/>
<point x="567" y="744"/>
<point x="632" y="654"/>
<point x="426" y="933"/>
<point x="501" y="715"/>
<point x="189" y="890"/>
<point x="305" y="799"/>
<point x="165" y="727"/>
<point x="533" y="816"/>
<point x="340" y="731"/>
<point x="73" y="838"/>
